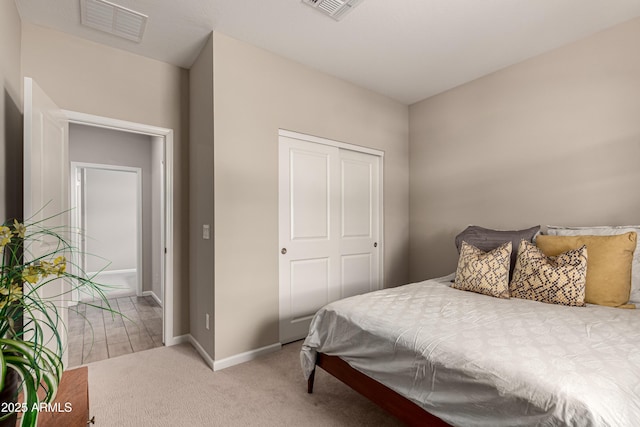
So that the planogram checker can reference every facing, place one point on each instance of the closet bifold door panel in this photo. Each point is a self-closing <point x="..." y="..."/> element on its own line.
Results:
<point x="329" y="226"/>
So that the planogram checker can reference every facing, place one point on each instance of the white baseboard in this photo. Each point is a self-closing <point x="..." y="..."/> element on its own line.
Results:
<point x="119" y="293"/>
<point x="227" y="362"/>
<point x="111" y="272"/>
<point x="245" y="357"/>
<point x="153" y="295"/>
<point x="208" y="360"/>
<point x="177" y="340"/>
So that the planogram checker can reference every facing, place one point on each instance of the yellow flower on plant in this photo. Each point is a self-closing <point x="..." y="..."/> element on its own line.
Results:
<point x="60" y="264"/>
<point x="5" y="236"/>
<point x="31" y="274"/>
<point x="9" y="295"/>
<point x="47" y="268"/>
<point x="15" y="291"/>
<point x="19" y="229"/>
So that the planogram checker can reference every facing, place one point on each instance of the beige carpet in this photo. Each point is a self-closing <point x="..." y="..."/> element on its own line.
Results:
<point x="171" y="386"/>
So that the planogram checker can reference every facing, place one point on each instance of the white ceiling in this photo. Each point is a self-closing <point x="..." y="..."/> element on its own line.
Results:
<point x="405" y="49"/>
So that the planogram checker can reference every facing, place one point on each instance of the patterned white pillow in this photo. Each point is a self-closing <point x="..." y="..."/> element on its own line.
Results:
<point x="554" y="280"/>
<point x="484" y="272"/>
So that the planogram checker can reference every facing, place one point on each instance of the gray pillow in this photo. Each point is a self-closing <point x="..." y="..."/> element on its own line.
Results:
<point x="487" y="240"/>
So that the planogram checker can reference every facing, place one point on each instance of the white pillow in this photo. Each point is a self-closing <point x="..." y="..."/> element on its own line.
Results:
<point x="555" y="230"/>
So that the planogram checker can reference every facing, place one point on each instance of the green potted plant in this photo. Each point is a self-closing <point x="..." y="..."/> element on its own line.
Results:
<point x="30" y="323"/>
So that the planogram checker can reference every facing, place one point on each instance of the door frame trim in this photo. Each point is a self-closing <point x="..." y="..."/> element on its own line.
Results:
<point x="168" y="190"/>
<point x="332" y="143"/>
<point x="78" y="217"/>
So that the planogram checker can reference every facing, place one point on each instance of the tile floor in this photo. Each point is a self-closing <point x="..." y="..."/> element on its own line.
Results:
<point x="96" y="334"/>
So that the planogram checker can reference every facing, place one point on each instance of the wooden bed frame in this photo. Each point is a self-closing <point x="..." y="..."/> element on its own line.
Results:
<point x="397" y="405"/>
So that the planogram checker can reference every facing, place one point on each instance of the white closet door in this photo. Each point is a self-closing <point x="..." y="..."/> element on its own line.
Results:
<point x="309" y="248"/>
<point x="329" y="222"/>
<point x="359" y="223"/>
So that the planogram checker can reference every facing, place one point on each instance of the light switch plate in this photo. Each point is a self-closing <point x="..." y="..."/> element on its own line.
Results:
<point x="206" y="231"/>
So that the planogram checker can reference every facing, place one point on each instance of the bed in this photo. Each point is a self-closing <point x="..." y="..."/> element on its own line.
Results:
<point x="435" y="355"/>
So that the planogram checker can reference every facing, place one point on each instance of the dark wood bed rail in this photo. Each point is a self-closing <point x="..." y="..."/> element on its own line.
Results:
<point x="399" y="406"/>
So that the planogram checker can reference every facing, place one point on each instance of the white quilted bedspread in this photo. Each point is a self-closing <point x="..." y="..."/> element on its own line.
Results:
<point x="474" y="360"/>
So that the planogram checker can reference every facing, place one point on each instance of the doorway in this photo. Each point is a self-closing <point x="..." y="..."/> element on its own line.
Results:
<point x="108" y="208"/>
<point x="150" y="305"/>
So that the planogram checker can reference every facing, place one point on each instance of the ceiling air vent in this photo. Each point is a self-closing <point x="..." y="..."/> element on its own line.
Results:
<point x="113" y="19"/>
<point x="333" y="8"/>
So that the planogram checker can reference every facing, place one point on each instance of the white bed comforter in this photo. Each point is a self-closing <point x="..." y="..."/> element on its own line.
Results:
<point x="474" y="360"/>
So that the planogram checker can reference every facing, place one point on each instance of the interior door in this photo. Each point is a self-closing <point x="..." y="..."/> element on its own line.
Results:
<point x="309" y="250"/>
<point x="111" y="216"/>
<point x="359" y="223"/>
<point x="328" y="231"/>
<point x="46" y="183"/>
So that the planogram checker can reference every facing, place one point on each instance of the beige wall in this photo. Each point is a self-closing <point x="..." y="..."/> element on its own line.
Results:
<point x="255" y="94"/>
<point x="201" y="205"/>
<point x="83" y="76"/>
<point x="552" y="140"/>
<point x="10" y="112"/>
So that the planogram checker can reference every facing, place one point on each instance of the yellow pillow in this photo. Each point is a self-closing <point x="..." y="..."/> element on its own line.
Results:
<point x="608" y="266"/>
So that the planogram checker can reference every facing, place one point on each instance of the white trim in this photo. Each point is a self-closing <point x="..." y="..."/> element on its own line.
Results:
<point x="181" y="339"/>
<point x="27" y="154"/>
<point x="227" y="362"/>
<point x="167" y="234"/>
<point x="205" y="356"/>
<point x="107" y="167"/>
<point x="247" y="356"/>
<point x="167" y="134"/>
<point x="115" y="124"/>
<point x="330" y="142"/>
<point x="113" y="293"/>
<point x="381" y="239"/>
<point x="152" y="295"/>
<point x="163" y="190"/>
<point x="108" y="272"/>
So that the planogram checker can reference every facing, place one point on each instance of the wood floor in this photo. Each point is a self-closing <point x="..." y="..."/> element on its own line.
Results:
<point x="96" y="334"/>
